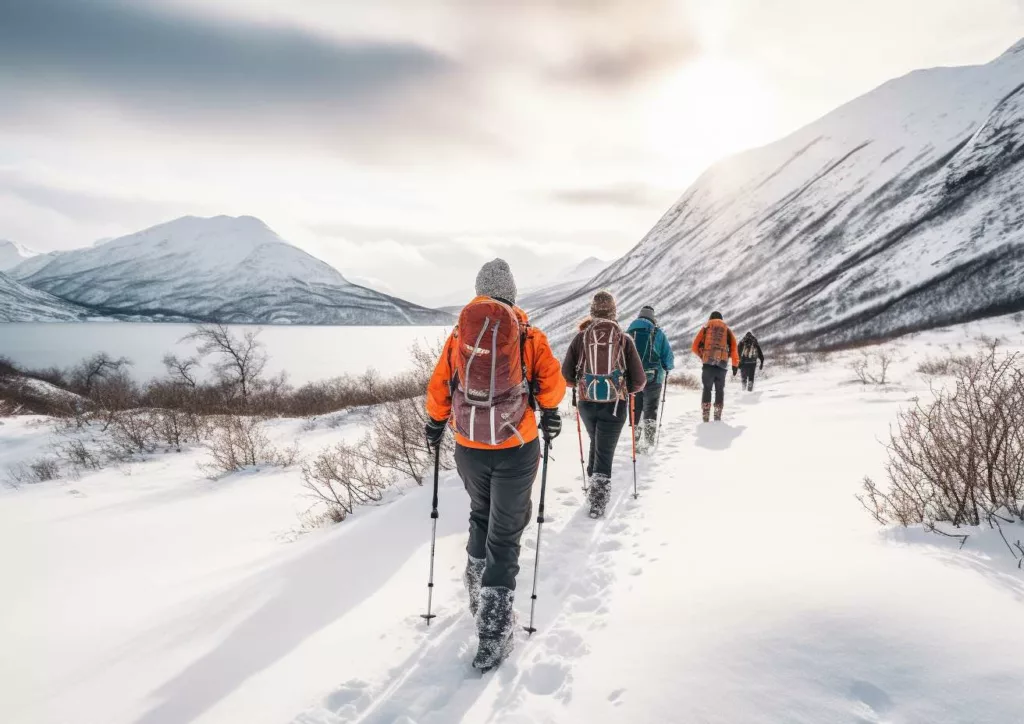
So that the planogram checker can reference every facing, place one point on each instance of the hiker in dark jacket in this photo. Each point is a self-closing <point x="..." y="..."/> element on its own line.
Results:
<point x="603" y="364"/>
<point x="750" y="353"/>
<point x="715" y="344"/>
<point x="656" y="354"/>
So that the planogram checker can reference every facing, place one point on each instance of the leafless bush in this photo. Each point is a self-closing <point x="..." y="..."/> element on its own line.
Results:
<point x="88" y="373"/>
<point x="960" y="458"/>
<point x="238" y="361"/>
<point x="942" y="366"/>
<point x="398" y="443"/>
<point x="872" y="368"/>
<point x="39" y="470"/>
<point x="237" y="442"/>
<point x="685" y="380"/>
<point x="342" y="477"/>
<point x="79" y="455"/>
<point x="134" y="432"/>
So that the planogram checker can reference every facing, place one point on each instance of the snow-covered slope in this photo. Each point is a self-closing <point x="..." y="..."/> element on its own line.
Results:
<point x="215" y="269"/>
<point x="567" y="283"/>
<point x="903" y="209"/>
<point x="744" y="586"/>
<point x="12" y="254"/>
<point x="19" y="303"/>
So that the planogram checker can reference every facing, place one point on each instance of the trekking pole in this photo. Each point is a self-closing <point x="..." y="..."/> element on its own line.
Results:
<point x="433" y="537"/>
<point x="661" y="413"/>
<point x="632" y="437"/>
<point x="579" y="434"/>
<point x="540" y="524"/>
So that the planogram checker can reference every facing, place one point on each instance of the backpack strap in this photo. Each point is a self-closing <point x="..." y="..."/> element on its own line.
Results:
<point x="523" y="332"/>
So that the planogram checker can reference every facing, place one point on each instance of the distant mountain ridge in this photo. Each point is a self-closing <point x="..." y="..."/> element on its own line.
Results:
<point x="901" y="210"/>
<point x="224" y="269"/>
<point x="12" y="254"/>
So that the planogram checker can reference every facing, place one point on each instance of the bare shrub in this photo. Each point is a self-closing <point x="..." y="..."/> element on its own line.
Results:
<point x="236" y="442"/>
<point x="238" y="361"/>
<point x="942" y="366"/>
<point x="39" y="470"/>
<point x="133" y="432"/>
<point x="872" y="368"/>
<point x="398" y="442"/>
<point x="88" y="373"/>
<point x="342" y="477"/>
<point x="960" y="458"/>
<point x="684" y="380"/>
<point x="79" y="455"/>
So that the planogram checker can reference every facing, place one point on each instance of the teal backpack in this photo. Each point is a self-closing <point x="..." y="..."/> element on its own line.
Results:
<point x="645" y="338"/>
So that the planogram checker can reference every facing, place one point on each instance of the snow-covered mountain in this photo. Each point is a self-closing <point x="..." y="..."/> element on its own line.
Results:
<point x="19" y="303"/>
<point x="567" y="282"/>
<point x="12" y="254"/>
<point x="901" y="210"/>
<point x="214" y="269"/>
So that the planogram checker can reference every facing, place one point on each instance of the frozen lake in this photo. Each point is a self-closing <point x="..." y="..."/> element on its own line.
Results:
<point x="305" y="353"/>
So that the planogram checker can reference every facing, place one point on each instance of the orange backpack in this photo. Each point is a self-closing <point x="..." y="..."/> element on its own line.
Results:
<point x="715" y="346"/>
<point x="490" y="391"/>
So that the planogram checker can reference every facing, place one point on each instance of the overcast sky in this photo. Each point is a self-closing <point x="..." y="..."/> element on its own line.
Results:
<point x="406" y="141"/>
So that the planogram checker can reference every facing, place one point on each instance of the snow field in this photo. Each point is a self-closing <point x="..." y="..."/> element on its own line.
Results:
<point x="745" y="584"/>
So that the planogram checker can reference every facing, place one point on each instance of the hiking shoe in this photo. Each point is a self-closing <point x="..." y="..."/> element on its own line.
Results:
<point x="705" y="411"/>
<point x="471" y="578"/>
<point x="599" y="493"/>
<point x="718" y="413"/>
<point x="650" y="433"/>
<point x="496" y="625"/>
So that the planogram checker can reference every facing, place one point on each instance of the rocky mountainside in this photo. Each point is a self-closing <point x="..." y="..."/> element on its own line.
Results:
<point x="19" y="303"/>
<point x="899" y="211"/>
<point x="233" y="270"/>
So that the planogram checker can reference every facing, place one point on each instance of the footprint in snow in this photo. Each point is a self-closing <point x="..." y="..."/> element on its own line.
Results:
<point x="873" y="703"/>
<point x="547" y="677"/>
<point x="616" y="696"/>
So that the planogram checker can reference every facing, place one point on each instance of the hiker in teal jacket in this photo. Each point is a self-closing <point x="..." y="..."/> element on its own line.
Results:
<point x="656" y="353"/>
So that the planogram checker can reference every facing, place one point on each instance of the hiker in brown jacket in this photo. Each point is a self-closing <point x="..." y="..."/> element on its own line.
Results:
<point x="603" y="366"/>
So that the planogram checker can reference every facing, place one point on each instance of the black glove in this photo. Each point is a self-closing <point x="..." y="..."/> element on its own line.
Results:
<point x="434" y="431"/>
<point x="551" y="423"/>
<point x="762" y="364"/>
<point x="735" y="370"/>
<point x="574" y="403"/>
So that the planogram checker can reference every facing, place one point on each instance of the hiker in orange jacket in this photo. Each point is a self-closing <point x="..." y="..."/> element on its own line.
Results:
<point x="716" y="346"/>
<point x="492" y="371"/>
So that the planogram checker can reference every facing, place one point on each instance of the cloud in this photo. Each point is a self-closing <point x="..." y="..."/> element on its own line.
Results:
<point x="134" y="49"/>
<point x="624" y="195"/>
<point x="172" y="69"/>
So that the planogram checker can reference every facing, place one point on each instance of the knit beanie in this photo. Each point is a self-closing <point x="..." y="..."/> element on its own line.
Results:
<point x="495" y="280"/>
<point x="716" y="315"/>
<point x="603" y="306"/>
<point x="647" y="312"/>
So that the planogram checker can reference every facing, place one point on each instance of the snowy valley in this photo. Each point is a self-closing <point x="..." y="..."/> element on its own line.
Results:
<point x="901" y="210"/>
<point x="745" y="584"/>
<point x="222" y="269"/>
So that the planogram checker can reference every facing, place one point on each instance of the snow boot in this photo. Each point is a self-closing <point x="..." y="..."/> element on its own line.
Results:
<point x="718" y="413"/>
<point x="599" y="493"/>
<point x="471" y="578"/>
<point x="750" y="386"/>
<point x="496" y="625"/>
<point x="705" y="411"/>
<point x="649" y="433"/>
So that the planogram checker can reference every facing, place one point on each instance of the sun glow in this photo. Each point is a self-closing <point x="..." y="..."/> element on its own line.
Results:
<point x="711" y="108"/>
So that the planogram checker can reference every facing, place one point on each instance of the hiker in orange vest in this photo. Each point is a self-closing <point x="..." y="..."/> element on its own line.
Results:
<point x="494" y="370"/>
<point x="716" y="346"/>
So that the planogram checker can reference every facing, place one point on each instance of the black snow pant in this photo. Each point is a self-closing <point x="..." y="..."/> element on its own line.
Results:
<point x="713" y="376"/>
<point x="499" y="483"/>
<point x="604" y="424"/>
<point x="646" y="403"/>
<point x="747" y="371"/>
